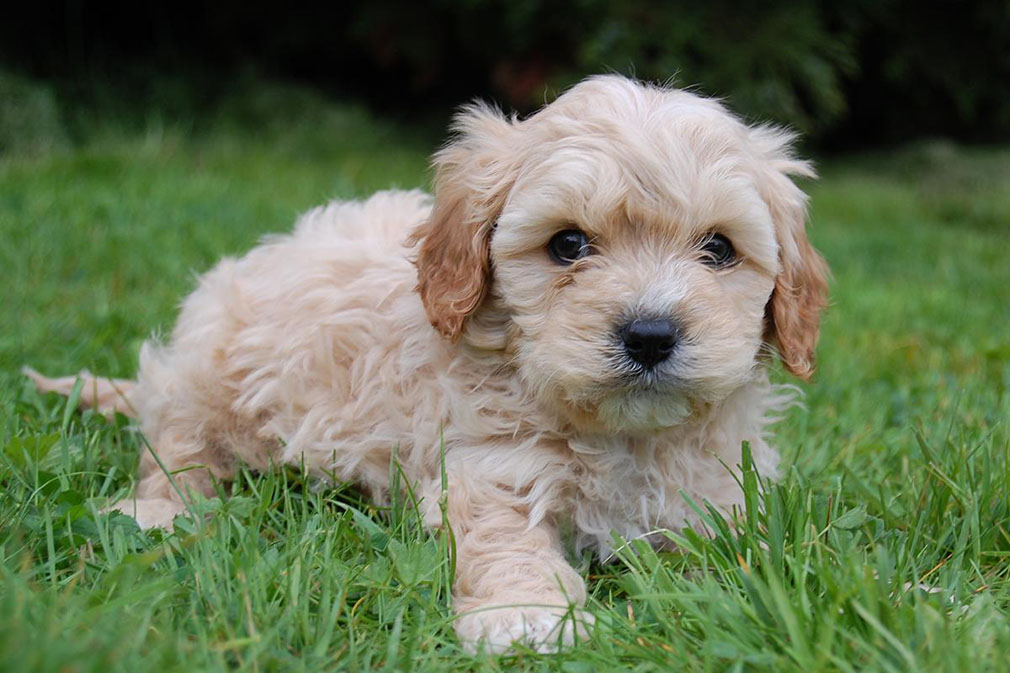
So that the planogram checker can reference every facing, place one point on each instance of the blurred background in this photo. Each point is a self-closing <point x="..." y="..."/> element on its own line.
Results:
<point x="141" y="141"/>
<point x="846" y="74"/>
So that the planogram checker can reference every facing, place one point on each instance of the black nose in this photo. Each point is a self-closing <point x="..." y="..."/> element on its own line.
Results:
<point x="649" y="342"/>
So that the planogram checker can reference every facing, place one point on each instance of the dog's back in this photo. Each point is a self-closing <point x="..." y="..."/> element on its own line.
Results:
<point x="284" y="355"/>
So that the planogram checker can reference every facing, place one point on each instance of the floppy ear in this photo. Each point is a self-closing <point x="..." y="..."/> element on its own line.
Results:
<point x="473" y="175"/>
<point x="801" y="288"/>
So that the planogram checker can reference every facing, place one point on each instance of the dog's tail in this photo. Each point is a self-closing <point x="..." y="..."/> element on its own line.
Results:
<point x="107" y="396"/>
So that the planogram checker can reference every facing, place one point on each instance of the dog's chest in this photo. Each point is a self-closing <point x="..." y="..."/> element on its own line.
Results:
<point x="639" y="488"/>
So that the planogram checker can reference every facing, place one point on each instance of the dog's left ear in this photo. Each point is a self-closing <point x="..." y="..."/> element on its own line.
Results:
<point x="474" y="173"/>
<point x="801" y="288"/>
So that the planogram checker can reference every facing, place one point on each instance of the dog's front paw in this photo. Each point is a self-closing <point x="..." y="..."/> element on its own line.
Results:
<point x="545" y="629"/>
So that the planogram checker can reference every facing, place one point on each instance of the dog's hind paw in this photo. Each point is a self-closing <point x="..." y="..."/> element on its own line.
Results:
<point x="150" y="512"/>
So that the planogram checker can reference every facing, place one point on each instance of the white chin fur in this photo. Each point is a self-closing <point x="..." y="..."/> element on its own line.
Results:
<point x="643" y="411"/>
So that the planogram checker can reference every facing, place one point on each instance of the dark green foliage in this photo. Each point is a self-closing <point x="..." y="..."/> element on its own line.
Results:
<point x="846" y="73"/>
<point x="29" y="117"/>
<point x="772" y="60"/>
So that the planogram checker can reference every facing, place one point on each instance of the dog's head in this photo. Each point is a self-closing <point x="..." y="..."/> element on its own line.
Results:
<point x="635" y="250"/>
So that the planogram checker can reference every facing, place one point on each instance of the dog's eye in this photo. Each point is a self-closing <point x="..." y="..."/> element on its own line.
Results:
<point x="568" y="245"/>
<point x="718" y="252"/>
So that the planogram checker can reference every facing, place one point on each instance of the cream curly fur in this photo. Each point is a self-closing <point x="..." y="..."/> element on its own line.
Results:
<point x="318" y="348"/>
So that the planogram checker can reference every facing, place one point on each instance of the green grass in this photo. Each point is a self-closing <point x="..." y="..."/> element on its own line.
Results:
<point x="886" y="546"/>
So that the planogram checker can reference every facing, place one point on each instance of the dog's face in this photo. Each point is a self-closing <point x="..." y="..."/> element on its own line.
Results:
<point x="634" y="249"/>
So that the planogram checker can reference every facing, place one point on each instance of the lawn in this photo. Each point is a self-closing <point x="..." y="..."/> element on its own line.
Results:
<point x="885" y="547"/>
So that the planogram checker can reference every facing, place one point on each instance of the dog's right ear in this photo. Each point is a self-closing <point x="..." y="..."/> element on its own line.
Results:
<point x="474" y="173"/>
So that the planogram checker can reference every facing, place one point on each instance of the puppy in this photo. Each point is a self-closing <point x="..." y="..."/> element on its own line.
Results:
<point x="579" y="321"/>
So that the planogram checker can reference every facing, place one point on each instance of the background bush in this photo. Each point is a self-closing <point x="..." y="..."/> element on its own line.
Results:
<point x="856" y="72"/>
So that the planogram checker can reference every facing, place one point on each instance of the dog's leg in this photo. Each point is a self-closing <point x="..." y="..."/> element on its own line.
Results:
<point x="512" y="581"/>
<point x="193" y="464"/>
<point x="192" y="461"/>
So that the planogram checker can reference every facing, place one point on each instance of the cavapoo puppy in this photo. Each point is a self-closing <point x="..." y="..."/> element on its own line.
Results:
<point x="580" y="319"/>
